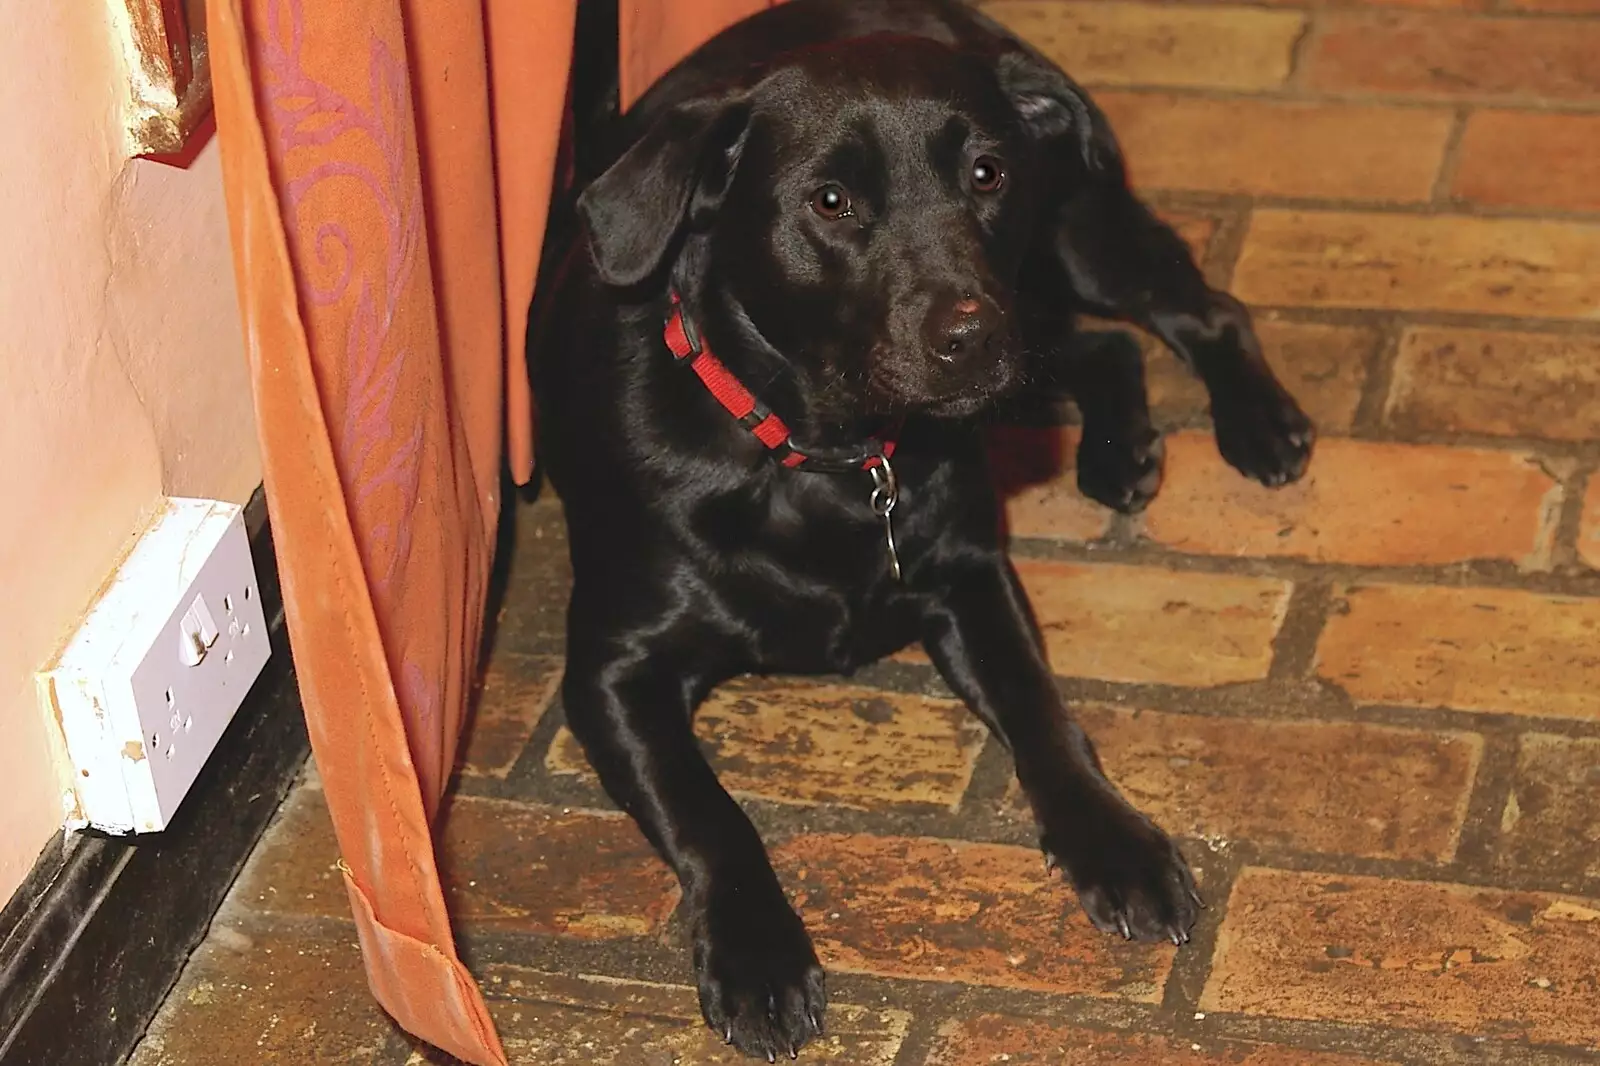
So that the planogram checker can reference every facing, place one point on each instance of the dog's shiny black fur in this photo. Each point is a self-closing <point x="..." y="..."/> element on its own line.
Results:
<point x="697" y="557"/>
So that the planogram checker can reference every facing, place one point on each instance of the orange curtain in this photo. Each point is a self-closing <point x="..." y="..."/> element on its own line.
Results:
<point x="387" y="165"/>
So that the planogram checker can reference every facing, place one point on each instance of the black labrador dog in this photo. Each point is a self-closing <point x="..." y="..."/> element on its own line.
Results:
<point x="830" y="240"/>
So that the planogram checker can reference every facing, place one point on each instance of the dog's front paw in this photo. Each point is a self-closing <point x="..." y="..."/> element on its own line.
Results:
<point x="761" y="987"/>
<point x="1121" y="473"/>
<point x="1262" y="432"/>
<point x="1130" y="877"/>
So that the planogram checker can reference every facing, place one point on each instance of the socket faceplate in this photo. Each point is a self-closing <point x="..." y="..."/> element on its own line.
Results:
<point x="148" y="683"/>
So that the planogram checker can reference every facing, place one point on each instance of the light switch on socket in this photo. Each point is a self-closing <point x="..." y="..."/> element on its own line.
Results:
<point x="196" y="633"/>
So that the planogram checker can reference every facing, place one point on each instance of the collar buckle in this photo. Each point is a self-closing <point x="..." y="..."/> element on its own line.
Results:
<point x="682" y="336"/>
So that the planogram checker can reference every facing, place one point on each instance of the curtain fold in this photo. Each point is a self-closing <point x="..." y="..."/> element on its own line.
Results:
<point x="655" y="34"/>
<point x="388" y="165"/>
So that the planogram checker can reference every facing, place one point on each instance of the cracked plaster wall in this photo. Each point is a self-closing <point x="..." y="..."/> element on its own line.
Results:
<point x="122" y="370"/>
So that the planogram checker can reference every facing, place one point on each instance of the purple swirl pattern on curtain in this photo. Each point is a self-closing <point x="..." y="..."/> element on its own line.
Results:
<point x="365" y="277"/>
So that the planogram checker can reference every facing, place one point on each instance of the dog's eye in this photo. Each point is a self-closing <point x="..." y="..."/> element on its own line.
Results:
<point x="831" y="202"/>
<point x="987" y="174"/>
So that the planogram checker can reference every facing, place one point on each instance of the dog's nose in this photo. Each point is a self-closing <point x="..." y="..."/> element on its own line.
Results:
<point x="961" y="328"/>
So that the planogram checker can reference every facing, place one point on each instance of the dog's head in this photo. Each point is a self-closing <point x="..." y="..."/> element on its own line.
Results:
<point x="860" y="214"/>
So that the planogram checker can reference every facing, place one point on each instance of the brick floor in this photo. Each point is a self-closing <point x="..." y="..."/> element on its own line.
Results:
<point x="1517" y="267"/>
<point x="1290" y="148"/>
<point x="1369" y="705"/>
<point x="1456" y="380"/>
<point x="1453" y="57"/>
<point x="1324" y="364"/>
<point x="1497" y="145"/>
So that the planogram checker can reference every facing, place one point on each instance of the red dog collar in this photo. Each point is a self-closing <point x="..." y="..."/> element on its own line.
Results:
<point x="686" y="345"/>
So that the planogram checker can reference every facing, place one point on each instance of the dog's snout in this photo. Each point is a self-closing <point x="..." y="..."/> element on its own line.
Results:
<point x="962" y="327"/>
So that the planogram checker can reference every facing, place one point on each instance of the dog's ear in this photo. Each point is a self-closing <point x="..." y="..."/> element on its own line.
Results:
<point x="1052" y="106"/>
<point x="673" y="176"/>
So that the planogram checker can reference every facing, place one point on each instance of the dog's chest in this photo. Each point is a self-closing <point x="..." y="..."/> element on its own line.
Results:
<point x="807" y="567"/>
<point x="830" y="524"/>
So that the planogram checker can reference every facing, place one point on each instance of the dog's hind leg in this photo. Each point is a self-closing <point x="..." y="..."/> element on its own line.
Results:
<point x="980" y="633"/>
<point x="1125" y="263"/>
<point x="1107" y="248"/>
<point x="1120" y="453"/>
<point x="761" y="987"/>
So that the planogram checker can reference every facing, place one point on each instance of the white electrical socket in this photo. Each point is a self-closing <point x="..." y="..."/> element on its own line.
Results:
<point x="145" y="687"/>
